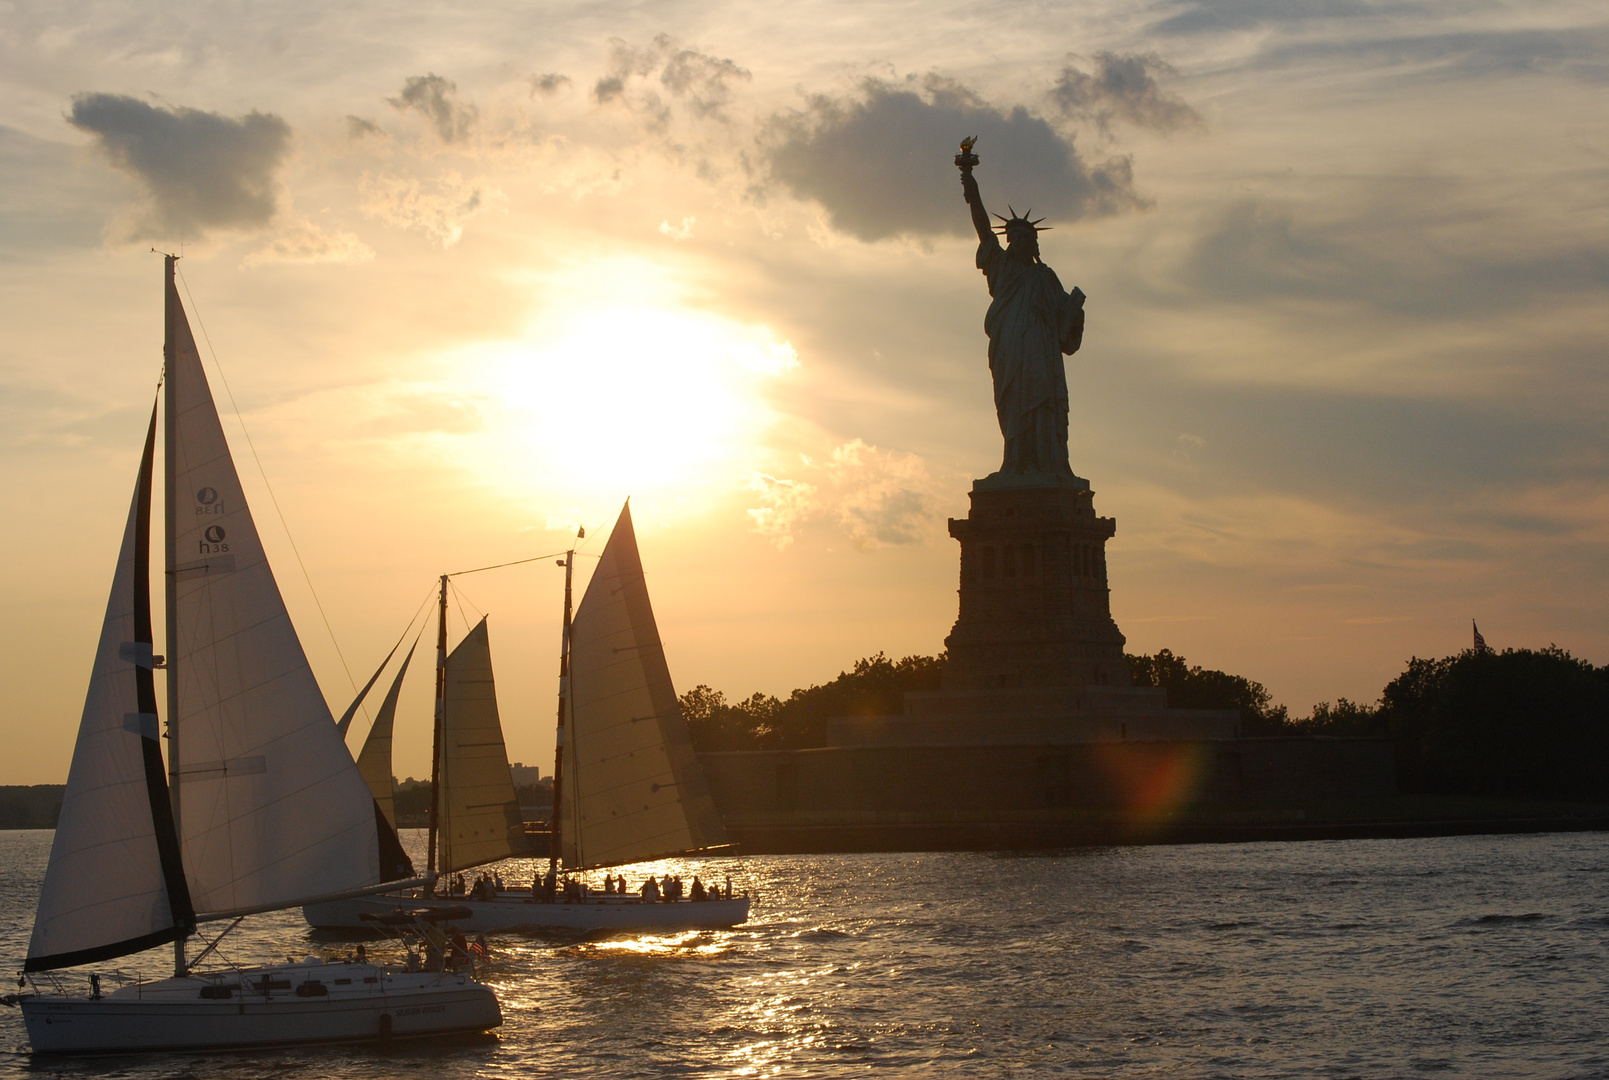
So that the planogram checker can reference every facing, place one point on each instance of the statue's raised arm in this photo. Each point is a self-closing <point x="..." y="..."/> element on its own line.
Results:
<point x="1032" y="323"/>
<point x="969" y="191"/>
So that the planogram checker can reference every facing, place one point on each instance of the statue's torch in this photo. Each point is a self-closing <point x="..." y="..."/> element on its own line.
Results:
<point x="966" y="159"/>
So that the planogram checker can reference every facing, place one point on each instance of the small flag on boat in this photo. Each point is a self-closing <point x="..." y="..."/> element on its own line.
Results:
<point x="1480" y="642"/>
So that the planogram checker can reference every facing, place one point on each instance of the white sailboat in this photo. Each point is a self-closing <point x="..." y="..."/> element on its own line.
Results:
<point x="258" y="807"/>
<point x="627" y="786"/>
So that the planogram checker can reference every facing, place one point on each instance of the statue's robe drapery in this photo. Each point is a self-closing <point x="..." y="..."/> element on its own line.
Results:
<point x="1032" y="321"/>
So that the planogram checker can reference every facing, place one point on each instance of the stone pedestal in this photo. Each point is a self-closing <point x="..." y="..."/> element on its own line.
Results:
<point x="1035" y="606"/>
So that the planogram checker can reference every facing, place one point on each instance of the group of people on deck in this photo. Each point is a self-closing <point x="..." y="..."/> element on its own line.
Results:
<point x="654" y="890"/>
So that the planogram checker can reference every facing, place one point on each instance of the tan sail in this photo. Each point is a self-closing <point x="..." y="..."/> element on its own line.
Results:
<point x="479" y="811"/>
<point x="270" y="806"/>
<point x="374" y="761"/>
<point x="633" y="789"/>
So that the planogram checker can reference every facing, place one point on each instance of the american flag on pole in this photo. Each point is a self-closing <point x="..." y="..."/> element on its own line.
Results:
<point x="1480" y="642"/>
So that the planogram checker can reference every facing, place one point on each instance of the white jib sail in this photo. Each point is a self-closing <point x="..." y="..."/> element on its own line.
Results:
<point x="479" y="810"/>
<point x="632" y="787"/>
<point x="374" y="761"/>
<point x="104" y="886"/>
<point x="272" y="810"/>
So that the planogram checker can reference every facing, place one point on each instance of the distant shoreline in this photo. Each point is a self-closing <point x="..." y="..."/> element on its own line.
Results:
<point x="1401" y="817"/>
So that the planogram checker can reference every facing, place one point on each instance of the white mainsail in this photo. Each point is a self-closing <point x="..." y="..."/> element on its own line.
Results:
<point x="272" y="810"/>
<point x="632" y="786"/>
<point x="106" y="890"/>
<point x="479" y="811"/>
<point x="374" y="761"/>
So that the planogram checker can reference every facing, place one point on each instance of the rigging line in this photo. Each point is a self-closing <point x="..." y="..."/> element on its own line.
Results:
<point x="499" y="566"/>
<point x="459" y="600"/>
<point x="271" y="496"/>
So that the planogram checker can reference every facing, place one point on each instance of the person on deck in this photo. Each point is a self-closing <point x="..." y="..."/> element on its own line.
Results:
<point x="698" y="889"/>
<point x="650" y="890"/>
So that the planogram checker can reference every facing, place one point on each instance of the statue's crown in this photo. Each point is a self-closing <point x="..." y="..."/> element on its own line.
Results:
<point x="1017" y="222"/>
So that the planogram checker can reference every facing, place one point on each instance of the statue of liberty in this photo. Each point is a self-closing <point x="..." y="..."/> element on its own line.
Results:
<point x="1031" y="323"/>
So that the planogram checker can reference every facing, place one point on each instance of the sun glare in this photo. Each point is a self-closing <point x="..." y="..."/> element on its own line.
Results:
<point x="630" y="400"/>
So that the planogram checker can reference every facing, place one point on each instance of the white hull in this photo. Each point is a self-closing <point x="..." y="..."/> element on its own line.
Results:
<point x="512" y="912"/>
<point x="172" y="1015"/>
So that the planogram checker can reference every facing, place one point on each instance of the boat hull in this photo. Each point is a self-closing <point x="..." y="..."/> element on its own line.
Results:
<point x="171" y="1015"/>
<point x="512" y="913"/>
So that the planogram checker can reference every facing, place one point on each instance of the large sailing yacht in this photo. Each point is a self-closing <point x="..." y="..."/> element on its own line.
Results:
<point x="258" y="805"/>
<point x="627" y="786"/>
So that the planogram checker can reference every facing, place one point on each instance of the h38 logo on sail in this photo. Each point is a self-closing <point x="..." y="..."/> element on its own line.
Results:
<point x="212" y="538"/>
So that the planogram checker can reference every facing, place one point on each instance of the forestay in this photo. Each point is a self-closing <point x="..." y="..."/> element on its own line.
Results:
<point x="272" y="810"/>
<point x="632" y="788"/>
<point x="107" y="887"/>
<point x="480" y="819"/>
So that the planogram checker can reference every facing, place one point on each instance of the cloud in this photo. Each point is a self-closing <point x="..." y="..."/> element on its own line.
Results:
<point x="880" y="162"/>
<point x="202" y="170"/>
<point x="784" y="506"/>
<point x="684" y="231"/>
<point x="1216" y="16"/>
<point x="876" y="497"/>
<point x="1408" y="249"/>
<point x="548" y="84"/>
<point x="358" y="128"/>
<point x="301" y="241"/>
<point x="701" y="81"/>
<point x="1123" y="87"/>
<point x="1580" y="52"/>
<point x="879" y="497"/>
<point x="436" y="208"/>
<point x="436" y="99"/>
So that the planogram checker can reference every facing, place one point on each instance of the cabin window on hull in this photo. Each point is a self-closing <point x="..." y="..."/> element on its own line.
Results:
<point x="1008" y="561"/>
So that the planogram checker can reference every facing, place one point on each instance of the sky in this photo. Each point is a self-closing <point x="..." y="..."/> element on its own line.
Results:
<point x="474" y="277"/>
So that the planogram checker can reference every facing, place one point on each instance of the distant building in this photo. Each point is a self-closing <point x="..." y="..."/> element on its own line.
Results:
<point x="525" y="775"/>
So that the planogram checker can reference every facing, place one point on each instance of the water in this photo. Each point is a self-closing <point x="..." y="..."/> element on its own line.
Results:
<point x="1450" y="957"/>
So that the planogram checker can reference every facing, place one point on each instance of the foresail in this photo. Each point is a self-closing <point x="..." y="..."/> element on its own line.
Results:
<point x="272" y="810"/>
<point x="114" y="884"/>
<point x="632" y="787"/>
<point x="374" y="761"/>
<point x="480" y="818"/>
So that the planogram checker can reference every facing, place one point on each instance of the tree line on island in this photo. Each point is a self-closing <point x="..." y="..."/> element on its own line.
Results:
<point x="1521" y="723"/>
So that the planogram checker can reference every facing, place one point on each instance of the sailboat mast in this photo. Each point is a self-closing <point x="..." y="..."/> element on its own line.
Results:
<point x="441" y="714"/>
<point x="564" y="700"/>
<point x="170" y="561"/>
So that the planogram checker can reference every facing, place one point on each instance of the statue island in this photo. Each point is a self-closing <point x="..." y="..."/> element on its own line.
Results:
<point x="1036" y="719"/>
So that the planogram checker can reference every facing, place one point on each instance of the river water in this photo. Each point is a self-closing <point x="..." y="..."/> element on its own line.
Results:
<point x="1449" y="957"/>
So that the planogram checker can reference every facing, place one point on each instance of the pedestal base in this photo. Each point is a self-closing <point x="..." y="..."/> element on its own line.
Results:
<point x="1035" y="609"/>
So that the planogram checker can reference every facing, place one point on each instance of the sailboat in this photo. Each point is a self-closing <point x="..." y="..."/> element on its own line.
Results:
<point x="627" y="786"/>
<point x="258" y="806"/>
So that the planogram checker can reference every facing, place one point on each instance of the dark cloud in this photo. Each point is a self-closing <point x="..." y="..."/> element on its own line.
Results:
<point x="1391" y="254"/>
<point x="436" y="99"/>
<point x="1123" y="87"/>
<point x="203" y="170"/>
<point x="358" y="128"/>
<point x="702" y="82"/>
<point x="880" y="163"/>
<point x="548" y="84"/>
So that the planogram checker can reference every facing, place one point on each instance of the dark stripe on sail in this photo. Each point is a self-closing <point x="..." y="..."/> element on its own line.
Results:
<point x="394" y="862"/>
<point x="106" y="952"/>
<point x="156" y="776"/>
